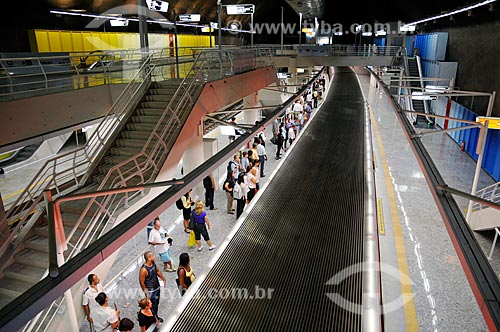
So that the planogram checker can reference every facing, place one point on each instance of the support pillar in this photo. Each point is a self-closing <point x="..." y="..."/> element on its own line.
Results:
<point x="251" y="116"/>
<point x="193" y="157"/>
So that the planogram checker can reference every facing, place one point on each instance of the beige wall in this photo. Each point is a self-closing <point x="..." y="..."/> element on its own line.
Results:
<point x="30" y="117"/>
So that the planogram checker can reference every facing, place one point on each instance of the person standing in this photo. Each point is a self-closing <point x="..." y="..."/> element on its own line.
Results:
<point x="261" y="152"/>
<point x="105" y="318"/>
<point x="148" y="278"/>
<point x="240" y="194"/>
<point x="187" y="202"/>
<point x="291" y="134"/>
<point x="158" y="238"/>
<point x="279" y="142"/>
<point x="251" y="183"/>
<point x="209" y="184"/>
<point x="276" y="126"/>
<point x="146" y="316"/>
<point x="201" y="223"/>
<point x="244" y="161"/>
<point x="228" y="188"/>
<point x="89" y="294"/>
<point x="185" y="274"/>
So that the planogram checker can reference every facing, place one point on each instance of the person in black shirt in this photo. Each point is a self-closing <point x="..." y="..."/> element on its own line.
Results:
<point x="148" y="278"/>
<point x="146" y="316"/>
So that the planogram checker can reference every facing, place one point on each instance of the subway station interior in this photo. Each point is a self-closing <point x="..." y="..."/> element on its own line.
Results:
<point x="371" y="200"/>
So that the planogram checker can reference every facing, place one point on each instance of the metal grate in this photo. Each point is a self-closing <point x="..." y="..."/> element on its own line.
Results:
<point x="306" y="228"/>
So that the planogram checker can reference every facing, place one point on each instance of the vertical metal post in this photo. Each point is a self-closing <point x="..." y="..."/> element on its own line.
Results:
<point x="300" y="29"/>
<point x="143" y="27"/>
<point x="282" y="28"/>
<point x="49" y="206"/>
<point x="176" y="46"/>
<point x="480" y="151"/>
<point x="251" y="29"/>
<point x="219" y="20"/>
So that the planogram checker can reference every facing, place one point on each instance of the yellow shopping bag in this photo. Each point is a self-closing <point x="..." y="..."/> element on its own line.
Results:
<point x="191" y="240"/>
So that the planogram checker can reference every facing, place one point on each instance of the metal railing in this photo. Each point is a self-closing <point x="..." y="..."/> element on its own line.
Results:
<point x="208" y="66"/>
<point x="334" y="50"/>
<point x="64" y="171"/>
<point x="490" y="193"/>
<point x="32" y="76"/>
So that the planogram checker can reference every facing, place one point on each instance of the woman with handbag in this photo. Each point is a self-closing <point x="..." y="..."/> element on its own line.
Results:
<point x="185" y="274"/>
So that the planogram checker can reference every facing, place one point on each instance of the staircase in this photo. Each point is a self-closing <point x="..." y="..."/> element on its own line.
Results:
<point x="418" y="105"/>
<point x="128" y="148"/>
<point x="30" y="261"/>
<point x="484" y="217"/>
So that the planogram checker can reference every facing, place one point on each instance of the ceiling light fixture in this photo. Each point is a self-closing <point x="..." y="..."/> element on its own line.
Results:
<point x="461" y="10"/>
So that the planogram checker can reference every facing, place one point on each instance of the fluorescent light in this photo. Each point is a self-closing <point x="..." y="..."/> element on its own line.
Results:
<point x="380" y="33"/>
<point x="417" y="95"/>
<point x="307" y="30"/>
<point x="207" y="29"/>
<point x="366" y="34"/>
<point x="118" y="23"/>
<point x="436" y="88"/>
<point x="338" y="33"/>
<point x="190" y="17"/>
<point x="407" y="28"/>
<point x="480" y="4"/>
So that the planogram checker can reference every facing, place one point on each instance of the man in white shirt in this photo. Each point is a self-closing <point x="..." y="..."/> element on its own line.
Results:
<point x="105" y="318"/>
<point x="158" y="238"/>
<point x="89" y="294"/>
<point x="297" y="107"/>
<point x="261" y="151"/>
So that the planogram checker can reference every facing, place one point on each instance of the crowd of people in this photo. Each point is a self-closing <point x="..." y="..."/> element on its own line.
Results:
<point x="242" y="182"/>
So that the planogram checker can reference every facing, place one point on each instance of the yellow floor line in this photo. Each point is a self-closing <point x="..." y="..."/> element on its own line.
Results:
<point x="406" y="289"/>
<point x="380" y="217"/>
<point x="16" y="193"/>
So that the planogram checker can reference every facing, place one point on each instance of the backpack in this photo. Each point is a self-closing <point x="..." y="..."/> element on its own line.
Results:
<point x="178" y="204"/>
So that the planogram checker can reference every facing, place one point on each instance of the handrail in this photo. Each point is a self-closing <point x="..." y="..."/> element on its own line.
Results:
<point x="22" y="77"/>
<point x="159" y="141"/>
<point x="208" y="66"/>
<point x="68" y="167"/>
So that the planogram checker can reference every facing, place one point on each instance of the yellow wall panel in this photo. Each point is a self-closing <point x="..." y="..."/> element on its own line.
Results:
<point x="66" y="41"/>
<point x="77" y="41"/>
<point x="113" y="40"/>
<point x="55" y="41"/>
<point x="87" y="41"/>
<point x="42" y="40"/>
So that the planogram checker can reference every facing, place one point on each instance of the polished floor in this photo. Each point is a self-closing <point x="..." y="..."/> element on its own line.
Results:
<point x="442" y="299"/>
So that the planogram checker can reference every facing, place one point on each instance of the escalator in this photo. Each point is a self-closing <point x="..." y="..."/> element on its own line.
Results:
<point x="20" y="155"/>
<point x="306" y="228"/>
<point x="418" y="105"/>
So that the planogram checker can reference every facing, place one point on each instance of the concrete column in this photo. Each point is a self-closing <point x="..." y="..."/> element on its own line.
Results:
<point x="251" y="116"/>
<point x="210" y="148"/>
<point x="193" y="157"/>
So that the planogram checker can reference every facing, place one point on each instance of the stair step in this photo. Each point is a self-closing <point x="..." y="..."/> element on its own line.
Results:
<point x="38" y="243"/>
<point x="166" y="84"/>
<point x="70" y="220"/>
<point x="124" y="151"/>
<point x="163" y="91"/>
<point x="131" y="143"/>
<point x="43" y="231"/>
<point x="150" y="111"/>
<point x="32" y="257"/>
<point x="158" y="98"/>
<point x="152" y="119"/>
<point x="13" y="287"/>
<point x="27" y="273"/>
<point x="153" y="104"/>
<point x="104" y="168"/>
<point x="147" y="127"/>
<point x="77" y="207"/>
<point x="136" y="134"/>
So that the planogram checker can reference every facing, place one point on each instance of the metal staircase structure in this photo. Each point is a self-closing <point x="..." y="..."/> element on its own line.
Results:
<point x="484" y="217"/>
<point x="128" y="148"/>
<point x="413" y="69"/>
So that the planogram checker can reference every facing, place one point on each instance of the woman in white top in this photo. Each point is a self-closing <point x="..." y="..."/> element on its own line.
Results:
<point x="240" y="194"/>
